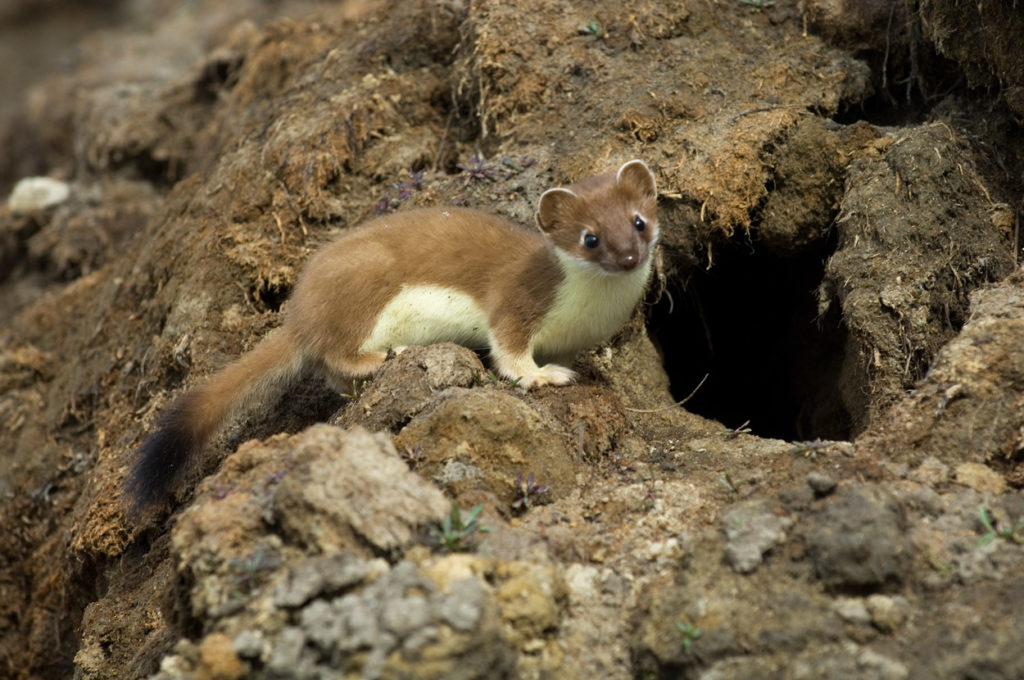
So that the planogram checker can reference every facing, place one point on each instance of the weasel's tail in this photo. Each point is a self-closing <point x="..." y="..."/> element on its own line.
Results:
<point x="194" y="417"/>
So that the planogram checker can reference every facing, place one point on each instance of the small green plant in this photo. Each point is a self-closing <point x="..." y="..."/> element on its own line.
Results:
<point x="733" y="432"/>
<point x="594" y="29"/>
<point x="758" y="5"/>
<point x="246" y="570"/>
<point x="357" y="390"/>
<point x="456" y="534"/>
<point x="942" y="568"/>
<point x="727" y="481"/>
<point x="1014" y="534"/>
<point x="526" y="489"/>
<point x="810" y="449"/>
<point x="690" y="633"/>
<point x="498" y="381"/>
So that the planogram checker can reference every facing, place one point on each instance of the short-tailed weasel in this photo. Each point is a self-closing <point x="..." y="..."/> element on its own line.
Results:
<point x="432" y="275"/>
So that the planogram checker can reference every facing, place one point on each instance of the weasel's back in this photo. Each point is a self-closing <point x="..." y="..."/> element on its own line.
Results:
<point x="461" y="243"/>
<point x="471" y="253"/>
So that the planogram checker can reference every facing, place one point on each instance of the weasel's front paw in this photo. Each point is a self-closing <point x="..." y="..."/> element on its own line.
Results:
<point x="551" y="374"/>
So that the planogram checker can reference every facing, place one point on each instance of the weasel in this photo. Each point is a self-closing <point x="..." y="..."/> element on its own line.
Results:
<point x="433" y="275"/>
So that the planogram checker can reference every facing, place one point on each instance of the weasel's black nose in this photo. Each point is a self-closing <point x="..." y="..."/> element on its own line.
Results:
<point x="628" y="262"/>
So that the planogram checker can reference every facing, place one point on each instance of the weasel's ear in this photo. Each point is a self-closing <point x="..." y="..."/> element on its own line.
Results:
<point x="636" y="176"/>
<point x="556" y="205"/>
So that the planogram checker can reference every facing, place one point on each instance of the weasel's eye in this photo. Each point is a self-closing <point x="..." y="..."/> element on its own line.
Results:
<point x="591" y="241"/>
<point x="639" y="224"/>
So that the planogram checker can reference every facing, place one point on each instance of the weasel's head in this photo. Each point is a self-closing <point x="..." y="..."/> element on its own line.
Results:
<point x="610" y="222"/>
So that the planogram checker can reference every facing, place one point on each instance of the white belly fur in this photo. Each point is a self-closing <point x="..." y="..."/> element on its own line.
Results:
<point x="421" y="315"/>
<point x="590" y="306"/>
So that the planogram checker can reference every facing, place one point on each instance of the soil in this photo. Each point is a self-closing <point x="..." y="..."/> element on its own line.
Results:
<point x="803" y="457"/>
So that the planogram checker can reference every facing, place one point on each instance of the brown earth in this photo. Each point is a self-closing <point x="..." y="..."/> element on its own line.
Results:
<point x="802" y="458"/>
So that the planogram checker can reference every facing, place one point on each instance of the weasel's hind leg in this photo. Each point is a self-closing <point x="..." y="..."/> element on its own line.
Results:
<point x="345" y="373"/>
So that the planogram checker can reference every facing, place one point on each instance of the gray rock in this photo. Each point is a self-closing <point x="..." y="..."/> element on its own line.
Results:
<point x="304" y="582"/>
<point x="322" y="625"/>
<point x="876" y="665"/>
<point x="359" y="620"/>
<point x="250" y="644"/>
<point x="821" y="483"/>
<point x="752" y="529"/>
<point x="856" y="541"/>
<point x="347" y="487"/>
<point x="286" y="654"/>
<point x="462" y="607"/>
<point x="887" y="613"/>
<point x="419" y="639"/>
<point x="852" y="610"/>
<point x="931" y="471"/>
<point x="404" y="615"/>
<point x="319" y="575"/>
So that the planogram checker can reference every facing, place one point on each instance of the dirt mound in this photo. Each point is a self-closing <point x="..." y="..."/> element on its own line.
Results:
<point x="801" y="458"/>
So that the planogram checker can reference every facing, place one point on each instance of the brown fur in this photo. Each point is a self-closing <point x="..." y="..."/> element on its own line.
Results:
<point x="517" y="287"/>
<point x="509" y="271"/>
<point x="602" y="201"/>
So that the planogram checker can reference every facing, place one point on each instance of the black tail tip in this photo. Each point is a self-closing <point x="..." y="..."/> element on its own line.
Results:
<point x="159" y="465"/>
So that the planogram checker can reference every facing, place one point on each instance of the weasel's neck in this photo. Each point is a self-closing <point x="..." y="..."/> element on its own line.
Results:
<point x="590" y="305"/>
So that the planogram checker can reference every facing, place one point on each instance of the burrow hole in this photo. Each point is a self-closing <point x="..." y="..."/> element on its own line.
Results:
<point x="751" y="323"/>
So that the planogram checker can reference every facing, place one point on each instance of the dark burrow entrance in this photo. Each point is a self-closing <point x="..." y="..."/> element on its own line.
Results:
<point x="751" y="324"/>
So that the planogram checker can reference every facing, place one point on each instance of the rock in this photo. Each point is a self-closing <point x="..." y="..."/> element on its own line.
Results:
<point x="218" y="660"/>
<point x="325" y="489"/>
<point x="451" y="569"/>
<point x="250" y="644"/>
<point x="37" y="193"/>
<point x="845" y="662"/>
<point x="931" y="471"/>
<point x="856" y="541"/>
<point x="324" y="626"/>
<point x="403" y="615"/>
<point x="852" y="610"/>
<point x="530" y="597"/>
<point x="596" y="620"/>
<point x="478" y="440"/>
<point x="887" y="613"/>
<point x="875" y="665"/>
<point x="403" y="621"/>
<point x="352" y="486"/>
<point x="821" y="483"/>
<point x="979" y="477"/>
<point x="663" y="549"/>
<point x="286" y="653"/>
<point x="463" y="606"/>
<point x="319" y="575"/>
<point x="411" y="382"/>
<point x="914" y="496"/>
<point x="752" y="529"/>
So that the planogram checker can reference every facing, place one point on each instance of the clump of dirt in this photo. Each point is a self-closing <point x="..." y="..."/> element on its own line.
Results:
<point x="969" y="406"/>
<point x="691" y="508"/>
<point x="980" y="38"/>
<point x="907" y="258"/>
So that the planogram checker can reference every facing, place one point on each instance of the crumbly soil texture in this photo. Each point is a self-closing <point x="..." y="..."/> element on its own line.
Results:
<point x="802" y="458"/>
